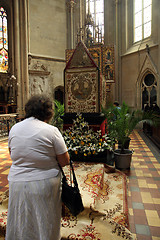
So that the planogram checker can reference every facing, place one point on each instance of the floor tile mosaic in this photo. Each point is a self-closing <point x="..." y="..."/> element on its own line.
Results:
<point x="143" y="186"/>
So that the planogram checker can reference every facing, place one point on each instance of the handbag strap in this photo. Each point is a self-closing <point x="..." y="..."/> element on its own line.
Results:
<point x="71" y="171"/>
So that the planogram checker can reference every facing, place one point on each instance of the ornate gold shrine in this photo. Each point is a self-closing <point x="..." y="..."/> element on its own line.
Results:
<point x="103" y="56"/>
<point x="85" y="87"/>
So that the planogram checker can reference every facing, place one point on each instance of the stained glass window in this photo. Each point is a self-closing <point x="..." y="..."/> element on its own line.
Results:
<point x="142" y="19"/>
<point x="96" y="9"/>
<point x="3" y="41"/>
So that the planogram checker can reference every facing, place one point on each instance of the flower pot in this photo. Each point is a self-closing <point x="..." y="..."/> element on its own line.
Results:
<point x="126" y="145"/>
<point x="123" y="161"/>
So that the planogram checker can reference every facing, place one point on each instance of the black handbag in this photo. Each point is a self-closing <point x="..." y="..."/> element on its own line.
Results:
<point x="71" y="196"/>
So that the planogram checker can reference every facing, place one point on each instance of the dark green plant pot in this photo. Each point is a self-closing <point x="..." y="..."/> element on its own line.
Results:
<point x="123" y="161"/>
<point x="102" y="157"/>
<point x="126" y="145"/>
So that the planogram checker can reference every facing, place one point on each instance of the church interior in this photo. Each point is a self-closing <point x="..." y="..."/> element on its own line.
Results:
<point x="87" y="54"/>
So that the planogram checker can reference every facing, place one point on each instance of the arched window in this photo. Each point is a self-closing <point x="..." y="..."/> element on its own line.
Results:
<point x="149" y="91"/>
<point x="142" y="19"/>
<point x="3" y="41"/>
<point x="95" y="19"/>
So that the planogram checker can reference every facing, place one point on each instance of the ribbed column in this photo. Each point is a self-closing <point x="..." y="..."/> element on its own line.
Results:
<point x="109" y="22"/>
<point x="72" y="23"/>
<point x="26" y="75"/>
<point x="17" y="55"/>
<point x="117" y="54"/>
<point x="70" y="5"/>
<point x="24" y="50"/>
<point x="80" y="18"/>
<point x="21" y="53"/>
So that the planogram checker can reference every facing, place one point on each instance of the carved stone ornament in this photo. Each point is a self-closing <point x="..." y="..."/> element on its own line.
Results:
<point x="37" y="68"/>
<point x="70" y="4"/>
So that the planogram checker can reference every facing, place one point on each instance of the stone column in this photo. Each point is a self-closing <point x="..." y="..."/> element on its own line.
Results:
<point x="109" y="22"/>
<point x="24" y="50"/>
<point x="17" y="56"/>
<point x="80" y="19"/>
<point x="158" y="80"/>
<point x="21" y="53"/>
<point x="70" y="5"/>
<point x="118" y="85"/>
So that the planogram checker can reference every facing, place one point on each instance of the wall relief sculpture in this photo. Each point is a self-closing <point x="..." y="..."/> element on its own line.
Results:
<point x="39" y="78"/>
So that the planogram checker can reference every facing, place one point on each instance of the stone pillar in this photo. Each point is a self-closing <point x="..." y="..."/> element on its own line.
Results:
<point x="21" y="53"/>
<point x="158" y="80"/>
<point x="118" y="84"/>
<point x="24" y="51"/>
<point x="17" y="56"/>
<point x="70" y="5"/>
<point x="80" y="19"/>
<point x="109" y="22"/>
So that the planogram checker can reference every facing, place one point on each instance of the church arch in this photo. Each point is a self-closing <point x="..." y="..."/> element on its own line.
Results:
<point x="59" y="94"/>
<point x="147" y="90"/>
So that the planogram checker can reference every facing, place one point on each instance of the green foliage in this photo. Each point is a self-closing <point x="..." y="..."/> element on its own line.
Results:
<point x="122" y="121"/>
<point x="57" y="121"/>
<point x="81" y="140"/>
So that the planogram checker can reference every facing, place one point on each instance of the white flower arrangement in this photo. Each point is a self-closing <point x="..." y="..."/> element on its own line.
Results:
<point x="83" y="141"/>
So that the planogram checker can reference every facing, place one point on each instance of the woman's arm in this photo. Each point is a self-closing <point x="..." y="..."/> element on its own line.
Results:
<point x="63" y="159"/>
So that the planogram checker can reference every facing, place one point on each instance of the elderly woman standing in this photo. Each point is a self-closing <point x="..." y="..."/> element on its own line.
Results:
<point x="36" y="148"/>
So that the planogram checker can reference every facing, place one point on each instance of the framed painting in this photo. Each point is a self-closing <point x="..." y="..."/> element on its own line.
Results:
<point x="96" y="53"/>
<point x="108" y="64"/>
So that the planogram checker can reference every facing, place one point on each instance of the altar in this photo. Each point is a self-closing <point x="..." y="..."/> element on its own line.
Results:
<point x="85" y="87"/>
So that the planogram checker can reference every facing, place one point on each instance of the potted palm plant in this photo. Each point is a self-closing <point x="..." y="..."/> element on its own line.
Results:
<point x="57" y="121"/>
<point x="120" y="124"/>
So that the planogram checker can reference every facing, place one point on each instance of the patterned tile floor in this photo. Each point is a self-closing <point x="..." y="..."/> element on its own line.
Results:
<point x="143" y="186"/>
